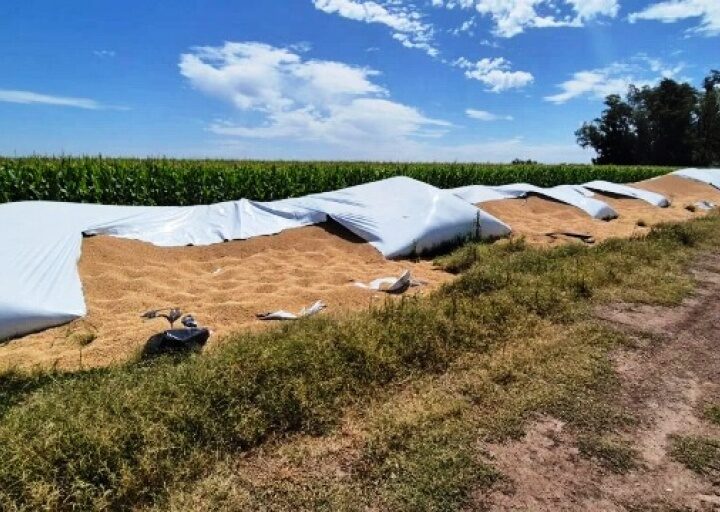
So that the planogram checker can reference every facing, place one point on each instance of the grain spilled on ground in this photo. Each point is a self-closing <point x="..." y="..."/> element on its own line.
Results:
<point x="222" y="285"/>
<point x="225" y="285"/>
<point x="534" y="217"/>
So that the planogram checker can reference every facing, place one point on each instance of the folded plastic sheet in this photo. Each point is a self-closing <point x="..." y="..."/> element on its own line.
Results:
<point x="627" y="191"/>
<point x="206" y="224"/>
<point x="567" y="194"/>
<point x="572" y="195"/>
<point x="477" y="194"/>
<point x="41" y="241"/>
<point x="401" y="216"/>
<point x="709" y="176"/>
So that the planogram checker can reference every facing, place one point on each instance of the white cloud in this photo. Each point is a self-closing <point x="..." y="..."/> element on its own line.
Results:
<point x="406" y="22"/>
<point x="104" y="53"/>
<point x="512" y="17"/>
<point x="495" y="73"/>
<point x="595" y="83"/>
<point x="484" y="115"/>
<point x="314" y="100"/>
<point x="28" y="98"/>
<point x="589" y="9"/>
<point x="614" y="79"/>
<point x="359" y="121"/>
<point x="466" y="27"/>
<point x="708" y="12"/>
<point x="262" y="77"/>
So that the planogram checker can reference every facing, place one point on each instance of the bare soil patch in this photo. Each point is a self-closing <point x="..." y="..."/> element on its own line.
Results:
<point x="664" y="383"/>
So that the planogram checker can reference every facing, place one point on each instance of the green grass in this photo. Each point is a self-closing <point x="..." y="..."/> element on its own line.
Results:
<point x="712" y="414"/>
<point x="416" y="447"/>
<point x="421" y="458"/>
<point x="616" y="455"/>
<point x="511" y="337"/>
<point x="701" y="454"/>
<point x="187" y="182"/>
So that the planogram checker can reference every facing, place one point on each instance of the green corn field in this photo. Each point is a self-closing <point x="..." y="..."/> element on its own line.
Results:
<point x="187" y="182"/>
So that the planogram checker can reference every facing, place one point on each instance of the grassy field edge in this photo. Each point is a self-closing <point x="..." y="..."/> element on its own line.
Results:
<point x="514" y="330"/>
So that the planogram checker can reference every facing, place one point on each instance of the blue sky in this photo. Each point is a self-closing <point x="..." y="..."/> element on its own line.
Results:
<point x="431" y="80"/>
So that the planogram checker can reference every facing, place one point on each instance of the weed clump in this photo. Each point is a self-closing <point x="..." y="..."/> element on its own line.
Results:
<point x="700" y="454"/>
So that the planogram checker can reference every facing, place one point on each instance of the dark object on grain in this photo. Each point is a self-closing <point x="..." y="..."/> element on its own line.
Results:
<point x="176" y="341"/>
<point x="189" y="321"/>
<point x="583" y="237"/>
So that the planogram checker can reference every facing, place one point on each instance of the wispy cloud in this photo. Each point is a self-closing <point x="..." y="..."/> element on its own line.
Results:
<point x="30" y="98"/>
<point x="614" y="79"/>
<point x="104" y="54"/>
<point x="484" y="115"/>
<point x="297" y="99"/>
<point x="495" y="73"/>
<point x="513" y="17"/>
<point x="707" y="11"/>
<point x="404" y="20"/>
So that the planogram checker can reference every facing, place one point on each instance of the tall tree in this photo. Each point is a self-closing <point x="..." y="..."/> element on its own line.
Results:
<point x="669" y="124"/>
<point x="612" y="135"/>
<point x="708" y="128"/>
<point x="641" y="122"/>
<point x="671" y="115"/>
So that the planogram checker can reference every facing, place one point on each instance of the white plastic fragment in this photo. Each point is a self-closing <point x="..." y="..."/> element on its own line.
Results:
<point x="704" y="206"/>
<point x="393" y="285"/>
<point x="285" y="315"/>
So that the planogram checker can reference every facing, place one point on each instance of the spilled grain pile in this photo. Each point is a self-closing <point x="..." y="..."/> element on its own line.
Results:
<point x="535" y="217"/>
<point x="222" y="285"/>
<point x="225" y="285"/>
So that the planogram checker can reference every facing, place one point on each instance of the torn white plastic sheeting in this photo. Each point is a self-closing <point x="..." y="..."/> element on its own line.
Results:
<point x="709" y="176"/>
<point x="627" y="191"/>
<point x="285" y="315"/>
<point x="207" y="224"/>
<point x="704" y="206"/>
<point x="42" y="241"/>
<point x="567" y="194"/>
<point x="41" y="245"/>
<point x="573" y="195"/>
<point x="391" y="284"/>
<point x="401" y="216"/>
<point x="477" y="194"/>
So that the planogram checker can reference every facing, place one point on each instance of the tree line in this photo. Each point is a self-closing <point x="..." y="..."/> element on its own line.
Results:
<point x="671" y="124"/>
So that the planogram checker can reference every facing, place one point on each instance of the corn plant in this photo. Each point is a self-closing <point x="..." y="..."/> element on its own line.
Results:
<point x="187" y="182"/>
